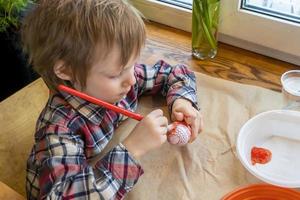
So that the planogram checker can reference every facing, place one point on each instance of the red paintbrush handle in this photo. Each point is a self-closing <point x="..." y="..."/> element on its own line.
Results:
<point x="100" y="102"/>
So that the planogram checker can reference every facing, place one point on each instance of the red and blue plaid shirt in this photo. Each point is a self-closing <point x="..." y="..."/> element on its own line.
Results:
<point x="71" y="131"/>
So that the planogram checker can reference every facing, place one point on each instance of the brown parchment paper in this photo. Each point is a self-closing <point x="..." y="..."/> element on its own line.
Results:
<point x="208" y="168"/>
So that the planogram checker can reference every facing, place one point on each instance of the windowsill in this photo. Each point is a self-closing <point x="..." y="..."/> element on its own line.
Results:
<point x="231" y="63"/>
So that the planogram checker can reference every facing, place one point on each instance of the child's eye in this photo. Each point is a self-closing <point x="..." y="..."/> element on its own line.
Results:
<point x="113" y="77"/>
<point x="116" y="76"/>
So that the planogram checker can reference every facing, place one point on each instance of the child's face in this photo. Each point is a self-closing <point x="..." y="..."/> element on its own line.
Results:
<point x="108" y="80"/>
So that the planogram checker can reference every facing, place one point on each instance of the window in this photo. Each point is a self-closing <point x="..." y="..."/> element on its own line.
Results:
<point x="173" y="13"/>
<point x="180" y="3"/>
<point x="240" y="25"/>
<point x="283" y="9"/>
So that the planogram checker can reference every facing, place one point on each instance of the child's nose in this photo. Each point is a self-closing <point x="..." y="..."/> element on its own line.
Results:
<point x="130" y="79"/>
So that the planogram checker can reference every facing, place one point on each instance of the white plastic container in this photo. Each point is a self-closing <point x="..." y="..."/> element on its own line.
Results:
<point x="290" y="81"/>
<point x="279" y="132"/>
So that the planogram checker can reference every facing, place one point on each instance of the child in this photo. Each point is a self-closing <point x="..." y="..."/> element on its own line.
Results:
<point x="92" y="46"/>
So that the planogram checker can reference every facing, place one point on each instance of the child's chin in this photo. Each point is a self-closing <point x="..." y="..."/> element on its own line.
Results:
<point x="116" y="99"/>
<point x="113" y="101"/>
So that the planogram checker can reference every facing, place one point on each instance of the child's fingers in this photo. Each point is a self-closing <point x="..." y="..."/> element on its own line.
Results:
<point x="164" y="131"/>
<point x="177" y="116"/>
<point x="201" y="124"/>
<point x="181" y="113"/>
<point x="194" y="124"/>
<point x="156" y="113"/>
<point x="192" y="117"/>
<point x="162" y="121"/>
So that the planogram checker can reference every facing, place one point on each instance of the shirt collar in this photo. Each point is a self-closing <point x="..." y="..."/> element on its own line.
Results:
<point x="92" y="112"/>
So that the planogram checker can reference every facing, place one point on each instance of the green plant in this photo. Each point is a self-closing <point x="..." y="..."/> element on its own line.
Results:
<point x="205" y="18"/>
<point x="9" y="12"/>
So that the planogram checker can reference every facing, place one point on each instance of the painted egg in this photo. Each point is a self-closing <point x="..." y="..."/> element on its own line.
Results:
<point x="179" y="133"/>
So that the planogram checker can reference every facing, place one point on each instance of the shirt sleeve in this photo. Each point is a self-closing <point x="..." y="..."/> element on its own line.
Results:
<point x="173" y="82"/>
<point x="65" y="173"/>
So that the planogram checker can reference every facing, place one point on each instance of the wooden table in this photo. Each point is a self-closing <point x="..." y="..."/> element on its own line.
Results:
<point x="6" y="193"/>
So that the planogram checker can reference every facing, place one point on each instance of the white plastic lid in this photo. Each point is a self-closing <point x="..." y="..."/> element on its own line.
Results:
<point x="290" y="81"/>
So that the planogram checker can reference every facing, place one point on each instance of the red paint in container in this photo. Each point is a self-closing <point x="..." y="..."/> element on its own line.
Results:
<point x="260" y="155"/>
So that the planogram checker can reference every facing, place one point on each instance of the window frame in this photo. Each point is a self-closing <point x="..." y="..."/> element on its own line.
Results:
<point x="236" y="27"/>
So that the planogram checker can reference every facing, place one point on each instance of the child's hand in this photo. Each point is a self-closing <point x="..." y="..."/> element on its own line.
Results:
<point x="182" y="110"/>
<point x="149" y="134"/>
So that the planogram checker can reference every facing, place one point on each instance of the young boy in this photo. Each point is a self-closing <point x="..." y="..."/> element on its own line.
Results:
<point x="92" y="46"/>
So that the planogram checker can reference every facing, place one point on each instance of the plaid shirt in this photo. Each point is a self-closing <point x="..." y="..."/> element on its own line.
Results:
<point x="71" y="131"/>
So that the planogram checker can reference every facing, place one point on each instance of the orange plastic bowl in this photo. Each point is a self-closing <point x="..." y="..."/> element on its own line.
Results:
<point x="262" y="192"/>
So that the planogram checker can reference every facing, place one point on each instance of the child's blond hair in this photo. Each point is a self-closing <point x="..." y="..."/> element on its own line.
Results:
<point x="70" y="30"/>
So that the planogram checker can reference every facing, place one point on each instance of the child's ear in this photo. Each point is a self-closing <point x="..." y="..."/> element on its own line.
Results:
<point x="61" y="71"/>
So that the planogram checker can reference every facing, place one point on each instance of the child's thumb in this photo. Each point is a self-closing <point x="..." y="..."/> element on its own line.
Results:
<point x="178" y="116"/>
